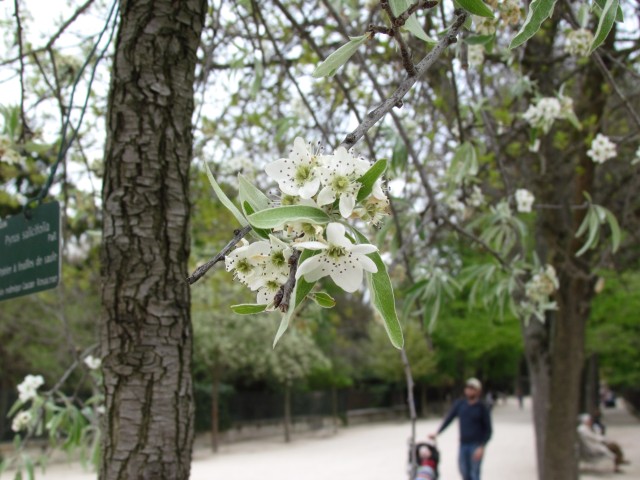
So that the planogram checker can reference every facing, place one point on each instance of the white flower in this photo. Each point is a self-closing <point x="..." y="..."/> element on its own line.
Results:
<point x="542" y="285"/>
<point x="92" y="362"/>
<point x="543" y="113"/>
<point x="297" y="174"/>
<point x="475" y="55"/>
<point x="343" y="261"/>
<point x="246" y="260"/>
<point x="484" y="25"/>
<point x="373" y="210"/>
<point x="578" y="42"/>
<point x="338" y="174"/>
<point x="21" y="421"/>
<point x="524" y="200"/>
<point x="509" y="12"/>
<point x="602" y="149"/>
<point x="476" y="199"/>
<point x="28" y="389"/>
<point x="7" y="152"/>
<point x="100" y="409"/>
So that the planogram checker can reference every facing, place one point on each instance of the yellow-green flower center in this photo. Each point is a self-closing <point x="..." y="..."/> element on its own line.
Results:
<point x="340" y="184"/>
<point x="243" y="266"/>
<point x="303" y="173"/>
<point x="277" y="258"/>
<point x="335" y="251"/>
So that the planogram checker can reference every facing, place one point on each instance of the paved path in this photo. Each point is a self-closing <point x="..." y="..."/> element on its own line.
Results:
<point x="379" y="452"/>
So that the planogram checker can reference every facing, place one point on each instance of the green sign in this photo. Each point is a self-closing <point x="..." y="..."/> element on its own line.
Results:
<point x="30" y="251"/>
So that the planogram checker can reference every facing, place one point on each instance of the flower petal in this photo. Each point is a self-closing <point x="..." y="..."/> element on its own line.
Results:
<point x="367" y="264"/>
<point x="335" y="235"/>
<point x="310" y="188"/>
<point x="313" y="268"/>
<point x="326" y="196"/>
<point x="311" y="246"/>
<point x="363" y="248"/>
<point x="349" y="277"/>
<point x="347" y="202"/>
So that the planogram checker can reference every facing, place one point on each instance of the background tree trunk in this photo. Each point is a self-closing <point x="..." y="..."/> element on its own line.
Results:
<point x="146" y="331"/>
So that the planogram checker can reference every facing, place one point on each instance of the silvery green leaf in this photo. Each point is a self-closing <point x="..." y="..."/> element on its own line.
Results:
<point x="275" y="217"/>
<point x="539" y="11"/>
<point x="477" y="7"/>
<point x="369" y="178"/>
<point x="382" y="296"/>
<point x="607" y="19"/>
<point x="248" y="308"/>
<point x="412" y="25"/>
<point x="338" y="58"/>
<point x="223" y="198"/>
<point x="249" y="193"/>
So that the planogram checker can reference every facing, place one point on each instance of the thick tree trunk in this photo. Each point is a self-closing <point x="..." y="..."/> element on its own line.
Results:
<point x="536" y="340"/>
<point x="146" y="330"/>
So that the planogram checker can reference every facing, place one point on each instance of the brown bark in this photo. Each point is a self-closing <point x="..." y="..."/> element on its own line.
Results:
<point x="146" y="330"/>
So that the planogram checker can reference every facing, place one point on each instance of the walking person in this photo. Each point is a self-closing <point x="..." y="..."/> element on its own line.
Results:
<point x="475" y="429"/>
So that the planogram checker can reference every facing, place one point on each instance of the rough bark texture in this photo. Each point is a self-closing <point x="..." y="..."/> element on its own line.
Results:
<point x="555" y="350"/>
<point x="146" y="329"/>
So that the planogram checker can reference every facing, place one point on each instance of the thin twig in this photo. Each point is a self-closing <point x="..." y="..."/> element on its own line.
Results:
<point x="425" y="64"/>
<point x="55" y="36"/>
<point x="407" y="63"/>
<point x="25" y="129"/>
<point x="201" y="270"/>
<point x="283" y="297"/>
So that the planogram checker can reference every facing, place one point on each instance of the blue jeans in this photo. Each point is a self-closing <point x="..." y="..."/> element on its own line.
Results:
<point x="469" y="468"/>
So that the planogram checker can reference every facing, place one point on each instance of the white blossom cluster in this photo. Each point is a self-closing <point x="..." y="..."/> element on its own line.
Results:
<point x="21" y="421"/>
<point x="328" y="182"/>
<point x="509" y="12"/>
<point x="602" y="149"/>
<point x="547" y="110"/>
<point x="92" y="362"/>
<point x="524" y="200"/>
<point x="542" y="285"/>
<point x="28" y="389"/>
<point x="475" y="55"/>
<point x="578" y="42"/>
<point x="7" y="152"/>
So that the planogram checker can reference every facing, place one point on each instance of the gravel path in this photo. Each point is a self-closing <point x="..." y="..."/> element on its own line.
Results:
<point x="379" y="452"/>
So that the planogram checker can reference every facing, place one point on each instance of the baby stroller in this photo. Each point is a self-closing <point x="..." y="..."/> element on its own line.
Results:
<point x="427" y="458"/>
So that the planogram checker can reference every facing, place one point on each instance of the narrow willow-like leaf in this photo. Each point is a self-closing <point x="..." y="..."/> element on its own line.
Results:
<point x="382" y="296"/>
<point x="338" y="58"/>
<point x="599" y="7"/>
<point x="260" y="232"/>
<point x="275" y="217"/>
<point x="300" y="291"/>
<point x="477" y="7"/>
<point x="323" y="299"/>
<point x="539" y="11"/>
<point x="223" y="198"/>
<point x="607" y="19"/>
<point x="479" y="39"/>
<point x="248" y="308"/>
<point x="412" y="24"/>
<point x="248" y="192"/>
<point x="369" y="178"/>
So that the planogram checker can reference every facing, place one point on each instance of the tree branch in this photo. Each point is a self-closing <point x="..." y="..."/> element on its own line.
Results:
<point x="425" y="64"/>
<point x="201" y="270"/>
<point x="283" y="297"/>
